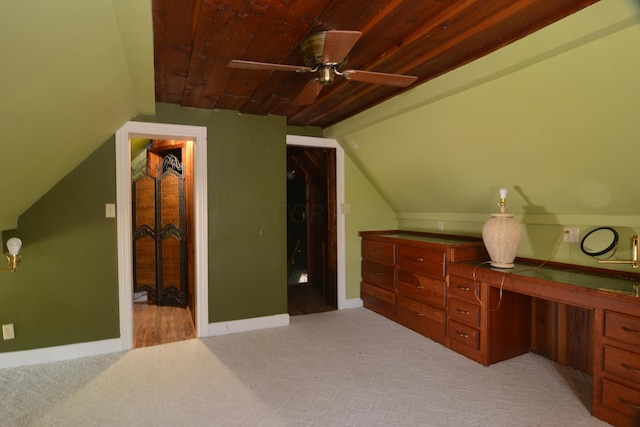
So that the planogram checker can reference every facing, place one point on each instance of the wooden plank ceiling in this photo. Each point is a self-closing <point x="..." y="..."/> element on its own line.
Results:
<point x="194" y="40"/>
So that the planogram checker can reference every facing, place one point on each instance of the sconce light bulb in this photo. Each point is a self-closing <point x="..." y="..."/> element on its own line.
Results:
<point x="14" y="244"/>
<point x="503" y="193"/>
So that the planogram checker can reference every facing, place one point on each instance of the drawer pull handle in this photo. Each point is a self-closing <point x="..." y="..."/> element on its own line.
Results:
<point x="376" y="251"/>
<point x="629" y="368"/>
<point x="377" y="273"/>
<point x="419" y="259"/>
<point x="463" y="288"/>
<point x="625" y="402"/>
<point x="631" y="331"/>
<point x="465" y="312"/>
<point x="419" y="314"/>
<point x="462" y="334"/>
<point x="419" y="286"/>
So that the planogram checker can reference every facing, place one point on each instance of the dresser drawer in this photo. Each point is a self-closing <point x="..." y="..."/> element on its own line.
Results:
<point x="464" y="289"/>
<point x="464" y="334"/>
<point x="428" y="262"/>
<point x="621" y="399"/>
<point x="422" y="318"/>
<point x="622" y="328"/>
<point x="622" y="363"/>
<point x="380" y="252"/>
<point x="378" y="299"/>
<point x="379" y="274"/>
<point x="464" y="312"/>
<point x="423" y="289"/>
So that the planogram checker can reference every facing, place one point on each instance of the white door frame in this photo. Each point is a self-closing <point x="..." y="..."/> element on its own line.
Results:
<point x="306" y="141"/>
<point x="124" y="217"/>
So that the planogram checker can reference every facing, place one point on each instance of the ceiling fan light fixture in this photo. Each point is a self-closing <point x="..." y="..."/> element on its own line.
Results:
<point x="326" y="75"/>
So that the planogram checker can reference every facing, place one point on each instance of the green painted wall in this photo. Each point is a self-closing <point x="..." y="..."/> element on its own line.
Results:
<point x="552" y="117"/>
<point x="368" y="211"/>
<point x="66" y="288"/>
<point x="247" y="209"/>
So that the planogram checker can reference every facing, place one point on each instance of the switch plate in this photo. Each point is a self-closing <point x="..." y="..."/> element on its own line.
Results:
<point x="110" y="210"/>
<point x="345" y="208"/>
<point x="440" y="225"/>
<point x="571" y="235"/>
<point x="7" y="332"/>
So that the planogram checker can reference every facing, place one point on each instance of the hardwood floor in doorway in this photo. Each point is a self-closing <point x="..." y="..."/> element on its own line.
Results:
<point x="305" y="299"/>
<point x="153" y="325"/>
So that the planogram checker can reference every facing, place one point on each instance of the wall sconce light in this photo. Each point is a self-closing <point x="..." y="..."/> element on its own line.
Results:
<point x="13" y="244"/>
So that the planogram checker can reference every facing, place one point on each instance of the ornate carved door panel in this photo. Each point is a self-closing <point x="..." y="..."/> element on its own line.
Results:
<point x="159" y="232"/>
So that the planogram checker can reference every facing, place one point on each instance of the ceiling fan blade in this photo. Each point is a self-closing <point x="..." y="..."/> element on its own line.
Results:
<point x="266" y="66"/>
<point x="309" y="93"/>
<point x="338" y="44"/>
<point x="398" y="80"/>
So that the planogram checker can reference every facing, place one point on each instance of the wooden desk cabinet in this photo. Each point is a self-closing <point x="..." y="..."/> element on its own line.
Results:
<point x="485" y="324"/>
<point x="438" y="286"/>
<point x="616" y="330"/>
<point x="404" y="276"/>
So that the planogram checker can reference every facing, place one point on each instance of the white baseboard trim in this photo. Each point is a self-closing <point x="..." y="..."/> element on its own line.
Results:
<point x="62" y="352"/>
<point x="244" y="325"/>
<point x="353" y="303"/>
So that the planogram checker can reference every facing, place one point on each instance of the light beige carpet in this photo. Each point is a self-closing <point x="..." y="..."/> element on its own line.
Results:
<point x="341" y="368"/>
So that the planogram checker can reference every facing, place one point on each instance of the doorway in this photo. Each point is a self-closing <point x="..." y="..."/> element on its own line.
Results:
<point x="311" y="230"/>
<point x="124" y="137"/>
<point x="162" y="212"/>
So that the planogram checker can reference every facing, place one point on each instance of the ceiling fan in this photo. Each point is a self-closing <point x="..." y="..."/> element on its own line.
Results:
<point x="325" y="53"/>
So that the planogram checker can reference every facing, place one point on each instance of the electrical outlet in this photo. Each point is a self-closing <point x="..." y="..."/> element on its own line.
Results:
<point x="571" y="235"/>
<point x="440" y="225"/>
<point x="7" y="332"/>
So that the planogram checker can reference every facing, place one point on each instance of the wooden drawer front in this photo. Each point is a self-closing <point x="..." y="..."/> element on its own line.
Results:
<point x="464" y="334"/>
<point x="375" y="297"/>
<point x="422" y="288"/>
<point x="622" y="328"/>
<point x="622" y="363"/>
<point x="464" y="289"/>
<point x="464" y="312"/>
<point x="422" y="318"/>
<point x="428" y="262"/>
<point x="620" y="398"/>
<point x="379" y="275"/>
<point x="380" y="252"/>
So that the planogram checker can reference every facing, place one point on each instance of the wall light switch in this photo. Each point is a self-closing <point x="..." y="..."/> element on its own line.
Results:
<point x="345" y="208"/>
<point x="110" y="210"/>
<point x="7" y="332"/>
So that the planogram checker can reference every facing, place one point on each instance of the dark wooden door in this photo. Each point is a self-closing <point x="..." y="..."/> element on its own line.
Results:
<point x="159" y="231"/>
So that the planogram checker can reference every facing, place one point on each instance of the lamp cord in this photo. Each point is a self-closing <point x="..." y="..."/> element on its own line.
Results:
<point x="504" y="274"/>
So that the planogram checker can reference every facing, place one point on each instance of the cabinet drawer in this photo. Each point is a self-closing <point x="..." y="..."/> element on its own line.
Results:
<point x="464" y="289"/>
<point x="622" y="363"/>
<point x="620" y="398"/>
<point x="423" y="289"/>
<point x="423" y="261"/>
<point x="464" y="312"/>
<point x="378" y="274"/>
<point x="464" y="334"/>
<point x="422" y="318"/>
<point x="377" y="298"/>
<point x="380" y="252"/>
<point x="622" y="328"/>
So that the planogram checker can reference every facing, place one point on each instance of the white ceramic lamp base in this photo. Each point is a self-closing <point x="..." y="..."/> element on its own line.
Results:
<point x="502" y="236"/>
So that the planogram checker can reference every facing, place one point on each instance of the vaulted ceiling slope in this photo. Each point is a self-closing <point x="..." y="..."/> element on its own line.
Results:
<point x="194" y="41"/>
<point x="72" y="73"/>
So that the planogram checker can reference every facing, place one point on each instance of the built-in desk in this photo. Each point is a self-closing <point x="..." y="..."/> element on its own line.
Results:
<point x="440" y="286"/>
<point x="616" y="325"/>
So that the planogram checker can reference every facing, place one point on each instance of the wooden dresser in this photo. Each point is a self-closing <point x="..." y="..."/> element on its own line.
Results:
<point x="442" y="287"/>
<point x="404" y="276"/>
